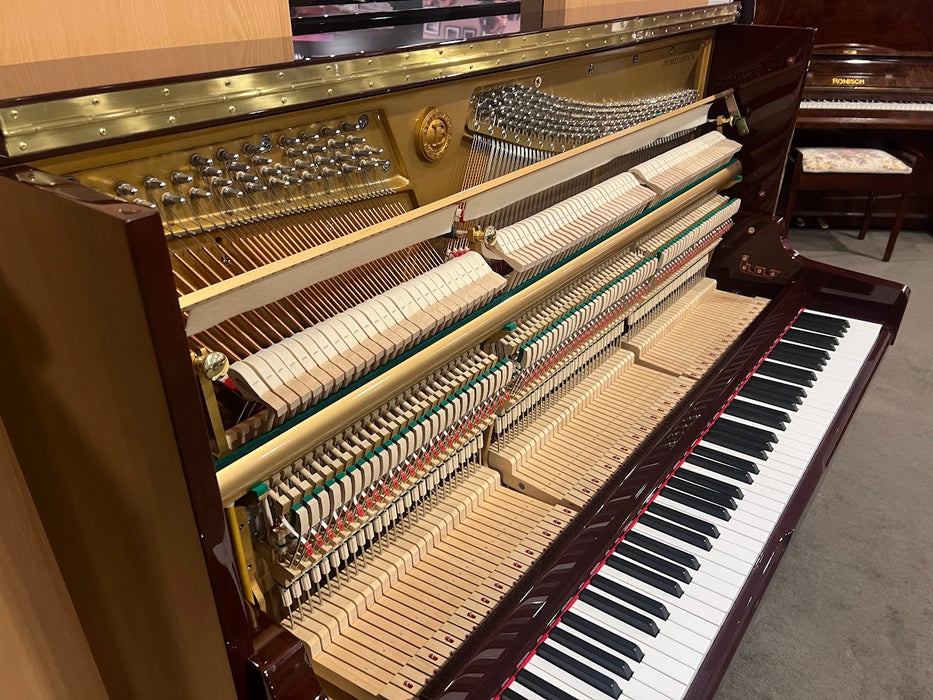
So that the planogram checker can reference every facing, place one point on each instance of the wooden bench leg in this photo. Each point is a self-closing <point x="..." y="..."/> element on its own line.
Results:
<point x="867" y="220"/>
<point x="896" y="228"/>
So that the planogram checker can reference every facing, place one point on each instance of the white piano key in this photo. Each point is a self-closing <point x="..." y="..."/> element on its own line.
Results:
<point x="667" y="656"/>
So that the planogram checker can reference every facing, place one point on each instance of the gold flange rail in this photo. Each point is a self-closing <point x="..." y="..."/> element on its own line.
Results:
<point x="268" y="459"/>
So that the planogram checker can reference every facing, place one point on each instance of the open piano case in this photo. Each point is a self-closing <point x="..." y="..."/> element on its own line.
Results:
<point x="463" y="371"/>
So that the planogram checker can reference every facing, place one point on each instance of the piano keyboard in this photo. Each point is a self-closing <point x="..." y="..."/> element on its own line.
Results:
<point x="867" y="104"/>
<point x="643" y="623"/>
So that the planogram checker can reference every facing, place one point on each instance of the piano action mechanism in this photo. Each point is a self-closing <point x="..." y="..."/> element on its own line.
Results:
<point x="480" y="365"/>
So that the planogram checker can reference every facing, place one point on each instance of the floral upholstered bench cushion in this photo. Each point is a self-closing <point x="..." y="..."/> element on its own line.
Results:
<point x="851" y="160"/>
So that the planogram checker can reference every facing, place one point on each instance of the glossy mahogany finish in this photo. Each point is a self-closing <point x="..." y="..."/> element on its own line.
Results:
<point x="766" y="68"/>
<point x="900" y="25"/>
<point x="279" y="668"/>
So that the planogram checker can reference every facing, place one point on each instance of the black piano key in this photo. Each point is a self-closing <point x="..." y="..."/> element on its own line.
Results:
<point x="816" y="340"/>
<point x="749" y="430"/>
<point x="816" y="354"/>
<point x="840" y="325"/>
<point x="591" y="652"/>
<point x="744" y="433"/>
<point x="509" y="694"/>
<point x="816" y="324"/>
<point x="720" y="468"/>
<point x="662" y="566"/>
<point x="620" y="612"/>
<point x="735" y="444"/>
<point x="544" y="688"/>
<point x="709" y="482"/>
<point x="638" y="600"/>
<point x="675" y="531"/>
<point x="662" y="583"/>
<point x="607" y="638"/>
<point x="724" y="458"/>
<point x="777" y="401"/>
<point x="575" y="668"/>
<point x="665" y="550"/>
<point x="798" y="355"/>
<point x="794" y="375"/>
<point x="688" y="521"/>
<point x="697" y="504"/>
<point x="706" y="494"/>
<point x="773" y="388"/>
<point x="758" y="414"/>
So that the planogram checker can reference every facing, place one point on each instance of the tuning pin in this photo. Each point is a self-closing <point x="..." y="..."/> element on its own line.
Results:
<point x="219" y="182"/>
<point x="199" y="161"/>
<point x="344" y="158"/>
<point x="260" y="160"/>
<point x="261" y="148"/>
<point x="336" y="143"/>
<point x="292" y="180"/>
<point x="254" y="187"/>
<point x="144" y="203"/>
<point x="245" y="177"/>
<point x="306" y="137"/>
<point x="279" y="181"/>
<point x="270" y="170"/>
<point x="179" y="178"/>
<point x="285" y="141"/>
<point x="302" y="163"/>
<point x="329" y="172"/>
<point x="356" y="139"/>
<point x="316" y="148"/>
<point x="153" y="183"/>
<point x="172" y="199"/>
<point x="198" y="193"/>
<point x="309" y="176"/>
<point x="125" y="189"/>
<point x="236" y="167"/>
<point x="346" y="168"/>
<point x="321" y="160"/>
<point x="230" y="192"/>
<point x="329" y="131"/>
<point x="210" y="171"/>
<point x="295" y="152"/>
<point x="226" y="156"/>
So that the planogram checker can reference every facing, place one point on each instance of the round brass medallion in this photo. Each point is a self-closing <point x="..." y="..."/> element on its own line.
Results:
<point x="432" y="134"/>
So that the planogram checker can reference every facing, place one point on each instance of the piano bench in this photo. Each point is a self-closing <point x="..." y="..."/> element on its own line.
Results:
<point x="868" y="171"/>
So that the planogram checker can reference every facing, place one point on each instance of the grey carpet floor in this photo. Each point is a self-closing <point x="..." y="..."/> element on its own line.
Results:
<point x="849" y="612"/>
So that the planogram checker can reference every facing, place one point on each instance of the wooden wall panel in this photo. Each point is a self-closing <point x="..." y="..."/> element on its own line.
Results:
<point x="564" y="13"/>
<point x="50" y="45"/>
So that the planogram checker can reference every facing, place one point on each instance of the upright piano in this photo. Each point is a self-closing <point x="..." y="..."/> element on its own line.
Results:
<point x="474" y="370"/>
<point x="870" y="84"/>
